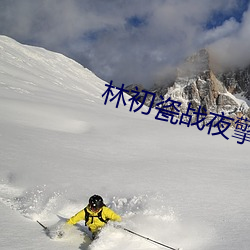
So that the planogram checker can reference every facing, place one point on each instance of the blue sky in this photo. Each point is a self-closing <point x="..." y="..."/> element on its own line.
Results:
<point x="132" y="41"/>
<point x="218" y="17"/>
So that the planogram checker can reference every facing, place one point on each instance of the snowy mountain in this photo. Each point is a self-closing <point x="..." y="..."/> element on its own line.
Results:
<point x="60" y="144"/>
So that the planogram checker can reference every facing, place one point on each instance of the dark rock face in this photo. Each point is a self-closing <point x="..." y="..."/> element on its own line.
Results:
<point x="237" y="81"/>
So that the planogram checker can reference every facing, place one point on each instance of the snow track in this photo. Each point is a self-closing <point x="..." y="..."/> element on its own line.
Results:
<point x="145" y="214"/>
<point x="30" y="203"/>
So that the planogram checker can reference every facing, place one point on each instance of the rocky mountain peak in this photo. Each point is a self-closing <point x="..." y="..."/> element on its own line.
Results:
<point x="197" y="64"/>
<point x="197" y="83"/>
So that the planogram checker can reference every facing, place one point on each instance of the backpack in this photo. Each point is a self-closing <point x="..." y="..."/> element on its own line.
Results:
<point x="88" y="216"/>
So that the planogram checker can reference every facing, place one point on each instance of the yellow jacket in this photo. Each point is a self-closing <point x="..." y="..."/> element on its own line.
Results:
<point x="94" y="223"/>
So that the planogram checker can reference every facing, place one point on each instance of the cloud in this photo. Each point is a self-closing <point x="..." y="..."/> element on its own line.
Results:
<point x="126" y="41"/>
<point x="228" y="28"/>
<point x="233" y="49"/>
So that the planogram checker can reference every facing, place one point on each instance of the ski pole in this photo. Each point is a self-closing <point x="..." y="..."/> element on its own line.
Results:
<point x="146" y="238"/>
<point x="45" y="228"/>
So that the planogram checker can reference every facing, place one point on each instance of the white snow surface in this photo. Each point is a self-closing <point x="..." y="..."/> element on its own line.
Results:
<point x="60" y="144"/>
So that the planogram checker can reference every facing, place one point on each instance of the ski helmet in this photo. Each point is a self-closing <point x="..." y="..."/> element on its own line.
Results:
<point x="95" y="202"/>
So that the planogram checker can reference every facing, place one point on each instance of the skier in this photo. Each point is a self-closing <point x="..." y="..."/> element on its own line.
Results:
<point x="95" y="214"/>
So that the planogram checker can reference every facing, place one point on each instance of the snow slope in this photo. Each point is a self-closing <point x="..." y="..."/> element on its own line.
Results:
<point x="60" y="144"/>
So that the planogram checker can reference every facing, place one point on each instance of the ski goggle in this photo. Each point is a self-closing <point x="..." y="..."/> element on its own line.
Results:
<point x="94" y="208"/>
